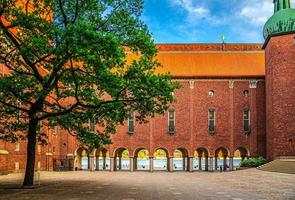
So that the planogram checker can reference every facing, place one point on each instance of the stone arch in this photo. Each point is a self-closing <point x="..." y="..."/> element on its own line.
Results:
<point x="180" y="159"/>
<point x="121" y="159"/>
<point x="242" y="152"/>
<point x="160" y="157"/>
<point x="141" y="159"/>
<point x="221" y="155"/>
<point x="81" y="161"/>
<point x="201" y="157"/>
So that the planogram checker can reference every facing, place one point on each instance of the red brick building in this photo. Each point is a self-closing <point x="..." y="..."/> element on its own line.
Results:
<point x="236" y="100"/>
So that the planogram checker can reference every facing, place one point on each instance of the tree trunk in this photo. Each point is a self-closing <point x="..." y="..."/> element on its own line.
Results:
<point x="31" y="148"/>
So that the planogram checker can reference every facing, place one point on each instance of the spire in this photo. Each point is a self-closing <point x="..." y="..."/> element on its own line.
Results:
<point x="281" y="4"/>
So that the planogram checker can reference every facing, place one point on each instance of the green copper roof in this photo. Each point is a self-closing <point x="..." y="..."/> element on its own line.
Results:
<point x="282" y="21"/>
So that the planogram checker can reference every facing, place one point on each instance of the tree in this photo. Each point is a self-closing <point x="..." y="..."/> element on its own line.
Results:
<point x="69" y="62"/>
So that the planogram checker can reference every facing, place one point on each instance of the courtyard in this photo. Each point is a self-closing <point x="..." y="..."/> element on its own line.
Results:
<point x="251" y="184"/>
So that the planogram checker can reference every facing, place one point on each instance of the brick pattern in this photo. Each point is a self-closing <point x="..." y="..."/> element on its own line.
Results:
<point x="280" y="96"/>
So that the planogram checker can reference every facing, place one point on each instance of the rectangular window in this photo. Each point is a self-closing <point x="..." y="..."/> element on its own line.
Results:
<point x="211" y="120"/>
<point x="246" y="120"/>
<point x="39" y="126"/>
<point x="16" y="166"/>
<point x="53" y="130"/>
<point x="17" y="146"/>
<point x="91" y="125"/>
<point x="131" y="123"/>
<point x="171" y="121"/>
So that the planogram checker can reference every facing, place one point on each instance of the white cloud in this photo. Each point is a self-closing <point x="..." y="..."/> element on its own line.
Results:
<point x="195" y="11"/>
<point x="256" y="12"/>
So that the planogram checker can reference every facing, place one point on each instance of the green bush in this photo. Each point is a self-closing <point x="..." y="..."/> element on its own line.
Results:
<point x="253" y="162"/>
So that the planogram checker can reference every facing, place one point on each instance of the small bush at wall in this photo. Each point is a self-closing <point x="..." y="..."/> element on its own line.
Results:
<point x="254" y="162"/>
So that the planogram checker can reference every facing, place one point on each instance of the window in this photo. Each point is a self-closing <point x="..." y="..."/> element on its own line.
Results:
<point x="17" y="146"/>
<point x="246" y="120"/>
<point x="171" y="121"/>
<point x="246" y="93"/>
<point x="53" y="130"/>
<point x="16" y="166"/>
<point x="53" y="149"/>
<point x="131" y="123"/>
<point x="39" y="126"/>
<point x="211" y="93"/>
<point x="39" y="148"/>
<point x="91" y="125"/>
<point x="211" y="120"/>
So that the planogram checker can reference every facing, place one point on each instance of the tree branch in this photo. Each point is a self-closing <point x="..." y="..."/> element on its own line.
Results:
<point x="16" y="43"/>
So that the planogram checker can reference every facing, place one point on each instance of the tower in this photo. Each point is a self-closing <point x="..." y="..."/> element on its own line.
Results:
<point x="279" y="32"/>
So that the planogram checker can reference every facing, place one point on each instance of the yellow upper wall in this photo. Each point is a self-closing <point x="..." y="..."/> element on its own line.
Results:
<point x="211" y="60"/>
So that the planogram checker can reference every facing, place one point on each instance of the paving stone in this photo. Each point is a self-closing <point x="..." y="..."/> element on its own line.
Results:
<point x="240" y="185"/>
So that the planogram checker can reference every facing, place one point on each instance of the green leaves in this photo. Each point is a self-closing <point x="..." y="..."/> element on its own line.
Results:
<point x="67" y="62"/>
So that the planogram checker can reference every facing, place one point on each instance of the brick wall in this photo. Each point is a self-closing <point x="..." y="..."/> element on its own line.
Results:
<point x="280" y="96"/>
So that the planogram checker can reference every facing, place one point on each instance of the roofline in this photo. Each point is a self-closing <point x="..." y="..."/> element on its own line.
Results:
<point x="275" y="35"/>
<point x="208" y="43"/>
<point x="219" y="77"/>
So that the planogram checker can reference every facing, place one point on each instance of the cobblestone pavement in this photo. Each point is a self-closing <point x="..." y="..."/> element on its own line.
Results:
<point x="249" y="184"/>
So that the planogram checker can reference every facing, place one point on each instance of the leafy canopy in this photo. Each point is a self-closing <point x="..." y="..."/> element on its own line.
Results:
<point x="69" y="62"/>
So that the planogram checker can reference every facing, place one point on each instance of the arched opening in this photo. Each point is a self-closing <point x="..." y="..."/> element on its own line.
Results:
<point x="180" y="159"/>
<point x="160" y="160"/>
<point x="201" y="156"/>
<point x="121" y="160"/>
<point x="81" y="159"/>
<point x="239" y="155"/>
<point x="141" y="158"/>
<point x="221" y="159"/>
<point x="102" y="159"/>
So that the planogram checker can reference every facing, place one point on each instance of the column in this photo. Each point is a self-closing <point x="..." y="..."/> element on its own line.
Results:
<point x="211" y="164"/>
<point x="231" y="163"/>
<point x="120" y="163"/>
<point x="151" y="164"/>
<point x="104" y="163"/>
<point x="200" y="163"/>
<point x="91" y="160"/>
<point x="190" y="163"/>
<point x="112" y="164"/>
<point x="224" y="164"/>
<point x="206" y="164"/>
<point x="170" y="163"/>
<point x="131" y="164"/>
<point x="216" y="167"/>
<point x="184" y="160"/>
<point x="97" y="163"/>
<point x="70" y="160"/>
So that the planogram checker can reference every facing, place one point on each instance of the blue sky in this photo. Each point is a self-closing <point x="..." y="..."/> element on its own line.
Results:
<point x="204" y="21"/>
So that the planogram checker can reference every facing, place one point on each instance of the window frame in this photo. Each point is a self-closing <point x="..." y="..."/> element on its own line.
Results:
<point x="91" y="125"/>
<point x="214" y="120"/>
<point x="248" y="119"/>
<point x="131" y="121"/>
<point x="171" y="128"/>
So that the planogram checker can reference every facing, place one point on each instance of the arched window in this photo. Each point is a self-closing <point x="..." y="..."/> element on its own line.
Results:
<point x="211" y="120"/>
<point x="171" y="121"/>
<point x="246" y="120"/>
<point x="131" y="123"/>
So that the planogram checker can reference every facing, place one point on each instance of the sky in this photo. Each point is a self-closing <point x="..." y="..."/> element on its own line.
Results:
<point x="205" y="21"/>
